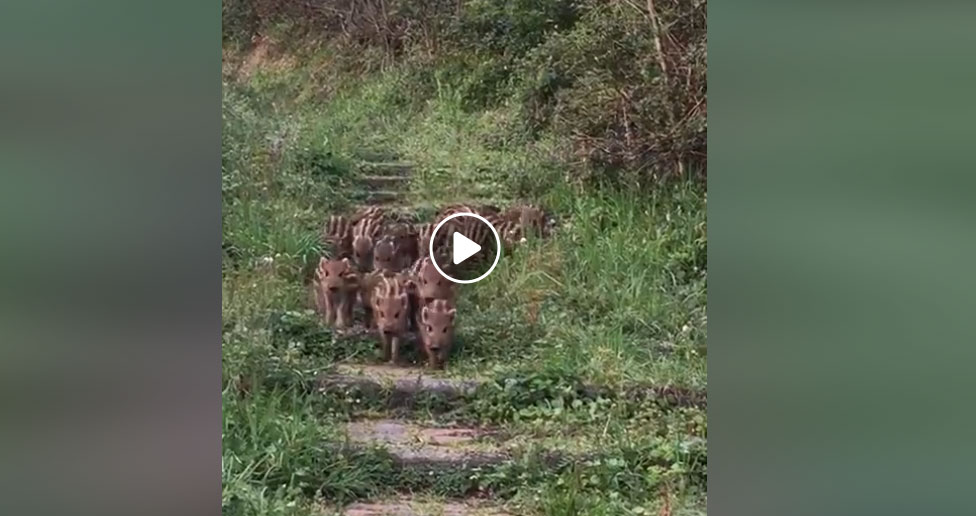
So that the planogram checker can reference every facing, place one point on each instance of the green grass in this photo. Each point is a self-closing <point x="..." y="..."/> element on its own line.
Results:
<point x="615" y="297"/>
<point x="276" y="456"/>
<point x="605" y="297"/>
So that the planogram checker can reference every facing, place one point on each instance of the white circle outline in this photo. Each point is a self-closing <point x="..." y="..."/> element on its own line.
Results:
<point x="498" y="247"/>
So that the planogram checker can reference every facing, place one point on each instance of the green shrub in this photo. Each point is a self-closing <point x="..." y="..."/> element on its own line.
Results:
<point x="586" y="73"/>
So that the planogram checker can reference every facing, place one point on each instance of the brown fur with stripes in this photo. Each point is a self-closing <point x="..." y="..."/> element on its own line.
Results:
<point x="336" y="284"/>
<point x="338" y="234"/>
<point x="435" y="323"/>
<point x="367" y="287"/>
<point x="405" y="246"/>
<point x="392" y="308"/>
<point x="430" y="284"/>
<point x="364" y="234"/>
<point x="399" y="283"/>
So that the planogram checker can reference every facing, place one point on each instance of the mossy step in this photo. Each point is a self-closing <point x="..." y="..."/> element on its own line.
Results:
<point x="399" y="386"/>
<point x="416" y="507"/>
<point x="380" y="196"/>
<point x="389" y="372"/>
<point x="403" y="386"/>
<point x="435" y="451"/>
<point x="429" y="448"/>
<point x="387" y="167"/>
<point x="385" y="181"/>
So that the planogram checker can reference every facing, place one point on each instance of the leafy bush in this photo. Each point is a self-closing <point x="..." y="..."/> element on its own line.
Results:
<point x="622" y="85"/>
<point x="600" y="85"/>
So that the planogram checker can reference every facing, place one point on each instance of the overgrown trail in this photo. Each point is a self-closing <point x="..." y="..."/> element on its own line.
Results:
<point x="408" y="403"/>
<point x="577" y="381"/>
<point x="385" y="182"/>
<point x="436" y="453"/>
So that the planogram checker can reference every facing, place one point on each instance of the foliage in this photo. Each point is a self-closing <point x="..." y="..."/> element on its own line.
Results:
<point x="276" y="450"/>
<point x="599" y="85"/>
<point x="629" y="101"/>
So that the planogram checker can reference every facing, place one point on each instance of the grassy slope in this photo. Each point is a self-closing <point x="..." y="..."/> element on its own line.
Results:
<point x="617" y="296"/>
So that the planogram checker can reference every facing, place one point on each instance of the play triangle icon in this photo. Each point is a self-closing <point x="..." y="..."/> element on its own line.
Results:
<point x="463" y="248"/>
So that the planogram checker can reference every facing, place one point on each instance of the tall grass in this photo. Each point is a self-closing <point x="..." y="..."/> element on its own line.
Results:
<point x="617" y="293"/>
<point x="621" y="86"/>
<point x="277" y="452"/>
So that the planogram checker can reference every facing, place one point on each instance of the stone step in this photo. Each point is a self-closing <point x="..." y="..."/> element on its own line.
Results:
<point x="380" y="196"/>
<point x="413" y="507"/>
<point x="391" y="373"/>
<point x="378" y="181"/>
<point x="386" y="167"/>
<point x="403" y="386"/>
<point x="399" y="386"/>
<point x="437" y="450"/>
<point x="428" y="448"/>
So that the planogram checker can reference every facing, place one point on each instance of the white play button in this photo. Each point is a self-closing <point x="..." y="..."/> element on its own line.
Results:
<point x="463" y="248"/>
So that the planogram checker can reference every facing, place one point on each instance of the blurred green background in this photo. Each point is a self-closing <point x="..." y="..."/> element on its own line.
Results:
<point x="841" y="217"/>
<point x="841" y="213"/>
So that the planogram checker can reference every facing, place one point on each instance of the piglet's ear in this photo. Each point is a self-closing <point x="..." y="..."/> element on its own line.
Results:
<point x="404" y="300"/>
<point x="345" y="261"/>
<point x="322" y="261"/>
<point x="423" y="314"/>
<point x="450" y="313"/>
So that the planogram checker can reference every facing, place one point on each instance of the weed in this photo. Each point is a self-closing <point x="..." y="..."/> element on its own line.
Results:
<point x="276" y="449"/>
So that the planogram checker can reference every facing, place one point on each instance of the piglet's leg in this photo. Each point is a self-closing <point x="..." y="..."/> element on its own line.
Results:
<point x="394" y="350"/>
<point x="431" y="356"/>
<point x="344" y="312"/>
<point x="330" y="309"/>
<point x="385" y="342"/>
<point x="350" y="304"/>
<point x="432" y="359"/>
<point x="368" y="317"/>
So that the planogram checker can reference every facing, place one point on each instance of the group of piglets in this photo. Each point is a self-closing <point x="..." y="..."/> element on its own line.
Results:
<point x="418" y="302"/>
